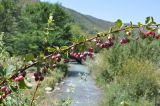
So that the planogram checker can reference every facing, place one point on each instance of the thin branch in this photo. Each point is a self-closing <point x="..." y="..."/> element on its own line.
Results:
<point x="88" y="40"/>
<point x="34" y="94"/>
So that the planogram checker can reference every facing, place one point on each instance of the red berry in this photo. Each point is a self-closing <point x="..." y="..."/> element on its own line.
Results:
<point x="124" y="40"/>
<point x="102" y="46"/>
<point x="58" y="55"/>
<point x="81" y="56"/>
<point x="39" y="73"/>
<point x="41" y="78"/>
<point x="20" y="78"/>
<point x="74" y="54"/>
<point x="3" y="88"/>
<point x="108" y="43"/>
<point x="58" y="59"/>
<point x="8" y="92"/>
<point x="35" y="74"/>
<point x="98" y="44"/>
<point x="85" y="53"/>
<point x="36" y="78"/>
<point x="150" y="33"/>
<point x="16" y="79"/>
<point x="53" y="57"/>
<point x="77" y="56"/>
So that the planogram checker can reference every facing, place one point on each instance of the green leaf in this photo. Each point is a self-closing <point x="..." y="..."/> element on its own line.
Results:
<point x="63" y="48"/>
<point x="119" y="23"/>
<point x="151" y="23"/>
<point x="29" y="57"/>
<point x="148" y="19"/>
<point x="82" y="39"/>
<point x="23" y="85"/>
<point x="114" y="28"/>
<point x="56" y="48"/>
<point x="152" y="19"/>
<point x="9" y="70"/>
<point x="51" y="49"/>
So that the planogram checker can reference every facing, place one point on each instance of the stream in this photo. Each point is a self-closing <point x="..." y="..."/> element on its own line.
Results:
<point x="79" y="86"/>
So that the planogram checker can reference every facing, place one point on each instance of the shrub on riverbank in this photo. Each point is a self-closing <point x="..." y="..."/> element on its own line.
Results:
<point x="138" y="82"/>
<point x="128" y="73"/>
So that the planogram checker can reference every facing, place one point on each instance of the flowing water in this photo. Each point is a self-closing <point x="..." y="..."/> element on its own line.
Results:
<point x="79" y="87"/>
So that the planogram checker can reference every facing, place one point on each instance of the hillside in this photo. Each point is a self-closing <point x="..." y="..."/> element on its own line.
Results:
<point x="89" y="23"/>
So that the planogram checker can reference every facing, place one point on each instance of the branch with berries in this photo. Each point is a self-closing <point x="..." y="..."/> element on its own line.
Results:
<point x="51" y="60"/>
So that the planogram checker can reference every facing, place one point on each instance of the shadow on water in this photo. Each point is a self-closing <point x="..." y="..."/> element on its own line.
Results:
<point x="75" y="62"/>
<point x="76" y="73"/>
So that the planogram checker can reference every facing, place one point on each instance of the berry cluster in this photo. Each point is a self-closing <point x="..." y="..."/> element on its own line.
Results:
<point x="83" y="55"/>
<point x="38" y="76"/>
<point x="150" y="33"/>
<point x="56" y="57"/>
<point x="108" y="43"/>
<point x="6" y="91"/>
<point x="21" y="76"/>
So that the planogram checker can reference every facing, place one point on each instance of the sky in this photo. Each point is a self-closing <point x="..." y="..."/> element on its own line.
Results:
<point x="111" y="10"/>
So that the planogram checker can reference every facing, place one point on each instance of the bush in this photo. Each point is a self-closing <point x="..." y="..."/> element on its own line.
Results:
<point x="128" y="73"/>
<point x="138" y="81"/>
<point x="115" y="94"/>
<point x="140" y="77"/>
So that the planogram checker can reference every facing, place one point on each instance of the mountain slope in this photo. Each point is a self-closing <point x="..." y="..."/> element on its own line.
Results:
<point x="89" y="23"/>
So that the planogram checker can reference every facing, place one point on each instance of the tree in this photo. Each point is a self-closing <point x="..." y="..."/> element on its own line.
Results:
<point x="24" y="26"/>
